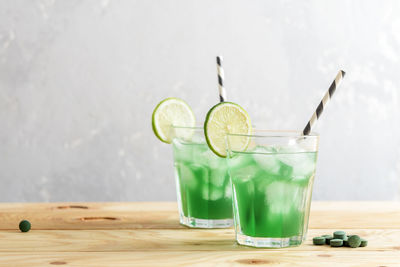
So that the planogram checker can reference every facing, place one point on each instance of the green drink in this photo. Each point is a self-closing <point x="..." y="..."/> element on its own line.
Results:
<point x="203" y="184"/>
<point x="272" y="185"/>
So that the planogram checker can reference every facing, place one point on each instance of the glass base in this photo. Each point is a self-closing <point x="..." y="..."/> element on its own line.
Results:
<point x="204" y="223"/>
<point x="269" y="242"/>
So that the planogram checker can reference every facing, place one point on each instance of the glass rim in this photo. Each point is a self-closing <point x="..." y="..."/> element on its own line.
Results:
<point x="260" y="133"/>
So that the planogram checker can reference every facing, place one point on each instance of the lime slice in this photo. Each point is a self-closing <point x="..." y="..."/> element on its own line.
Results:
<point x="171" y="111"/>
<point x="223" y="118"/>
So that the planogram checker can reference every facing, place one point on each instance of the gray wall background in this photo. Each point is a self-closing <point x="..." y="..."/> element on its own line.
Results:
<point x="79" y="80"/>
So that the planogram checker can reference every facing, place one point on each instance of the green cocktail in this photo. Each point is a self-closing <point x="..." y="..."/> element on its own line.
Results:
<point x="272" y="185"/>
<point x="203" y="184"/>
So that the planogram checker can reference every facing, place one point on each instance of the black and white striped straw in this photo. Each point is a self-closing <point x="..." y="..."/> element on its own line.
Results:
<point x="335" y="84"/>
<point x="221" y="88"/>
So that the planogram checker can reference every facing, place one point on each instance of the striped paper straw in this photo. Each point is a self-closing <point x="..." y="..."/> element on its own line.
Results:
<point x="221" y="88"/>
<point x="324" y="102"/>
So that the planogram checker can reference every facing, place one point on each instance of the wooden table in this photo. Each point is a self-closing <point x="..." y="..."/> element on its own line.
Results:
<point x="148" y="234"/>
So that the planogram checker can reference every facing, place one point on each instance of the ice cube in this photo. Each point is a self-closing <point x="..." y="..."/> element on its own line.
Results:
<point x="241" y="166"/>
<point x="266" y="159"/>
<point x="302" y="163"/>
<point x="186" y="176"/>
<point x="239" y="160"/>
<point x="244" y="174"/>
<point x="262" y="181"/>
<point x="218" y="177"/>
<point x="216" y="166"/>
<point x="213" y="193"/>
<point x="228" y="190"/>
<point x="201" y="172"/>
<point x="212" y="160"/>
<point x="279" y="197"/>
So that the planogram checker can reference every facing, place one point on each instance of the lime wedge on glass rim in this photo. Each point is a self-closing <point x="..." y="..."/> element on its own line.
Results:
<point x="171" y="112"/>
<point x="224" y="118"/>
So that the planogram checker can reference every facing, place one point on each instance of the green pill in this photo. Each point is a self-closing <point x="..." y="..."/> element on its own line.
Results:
<point x="346" y="241"/>
<point x="364" y="242"/>
<point x="354" y="241"/>
<point x="328" y="239"/>
<point x="319" y="240"/>
<point x="339" y="235"/>
<point x="24" y="226"/>
<point x="336" y="242"/>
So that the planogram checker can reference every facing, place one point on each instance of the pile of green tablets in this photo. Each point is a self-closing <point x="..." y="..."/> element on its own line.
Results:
<point x="340" y="239"/>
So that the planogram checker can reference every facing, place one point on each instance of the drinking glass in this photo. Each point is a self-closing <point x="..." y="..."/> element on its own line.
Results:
<point x="202" y="181"/>
<point x="272" y="183"/>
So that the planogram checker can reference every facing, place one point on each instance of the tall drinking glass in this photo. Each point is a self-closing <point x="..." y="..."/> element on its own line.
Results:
<point x="272" y="183"/>
<point x="202" y="181"/>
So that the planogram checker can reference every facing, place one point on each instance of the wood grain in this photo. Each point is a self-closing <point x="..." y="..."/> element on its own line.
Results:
<point x="167" y="240"/>
<point x="148" y="234"/>
<point x="203" y="258"/>
<point x="91" y="215"/>
<point x="150" y="215"/>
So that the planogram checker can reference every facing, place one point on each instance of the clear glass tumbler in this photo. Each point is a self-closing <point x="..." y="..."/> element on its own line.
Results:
<point x="202" y="181"/>
<point x="272" y="183"/>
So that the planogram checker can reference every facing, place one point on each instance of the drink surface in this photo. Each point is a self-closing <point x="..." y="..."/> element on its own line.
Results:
<point x="272" y="191"/>
<point x="203" y="185"/>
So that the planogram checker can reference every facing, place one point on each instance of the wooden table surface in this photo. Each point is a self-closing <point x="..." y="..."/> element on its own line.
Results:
<point x="148" y="234"/>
